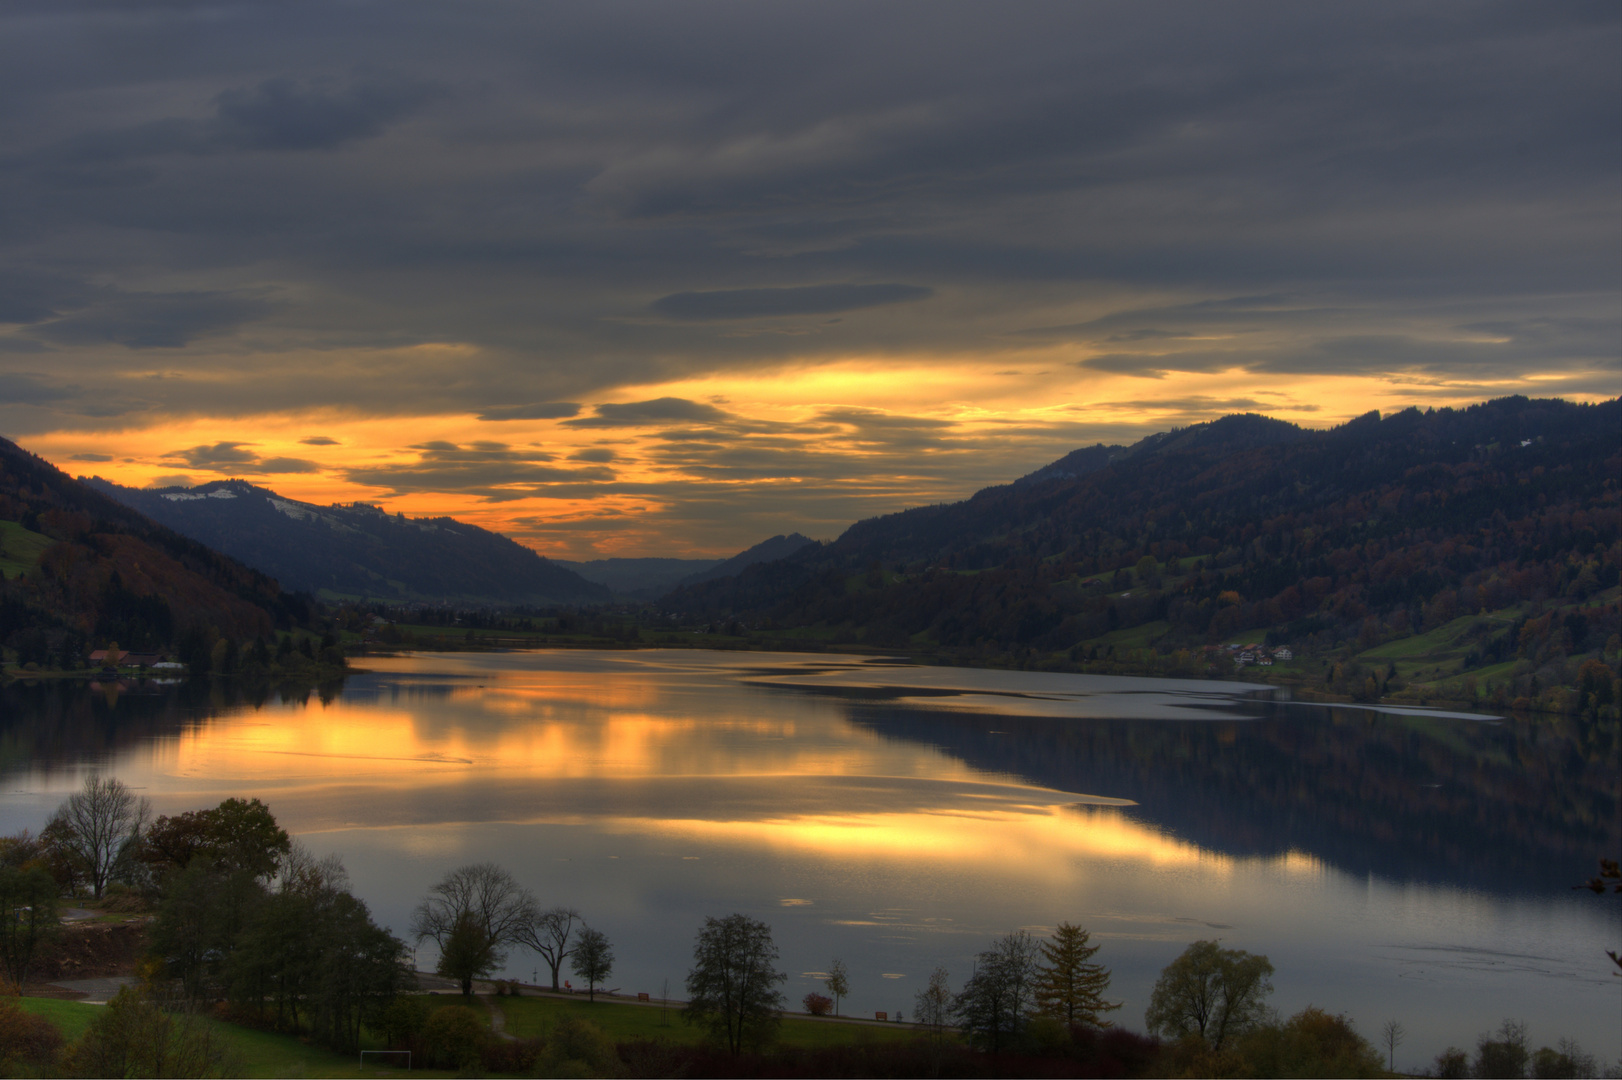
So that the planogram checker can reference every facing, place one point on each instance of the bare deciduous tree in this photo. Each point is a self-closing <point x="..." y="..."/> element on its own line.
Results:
<point x="996" y="1002"/>
<point x="98" y="826"/>
<point x="1392" y="1034"/>
<point x="482" y="897"/>
<point x="932" y="1006"/>
<point x="548" y="934"/>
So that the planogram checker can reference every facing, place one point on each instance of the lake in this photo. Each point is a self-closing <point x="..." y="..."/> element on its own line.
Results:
<point x="1413" y="864"/>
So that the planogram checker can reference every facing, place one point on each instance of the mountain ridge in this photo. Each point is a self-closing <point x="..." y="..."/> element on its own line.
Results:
<point x="98" y="570"/>
<point x="357" y="549"/>
<point x="1332" y="540"/>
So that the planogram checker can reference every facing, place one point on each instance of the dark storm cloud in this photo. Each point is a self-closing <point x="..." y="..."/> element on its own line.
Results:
<point x="1288" y="335"/>
<point x="225" y="454"/>
<point x="492" y="470"/>
<point x="35" y="297"/>
<point x="153" y="320"/>
<point x="545" y="410"/>
<point x="275" y="115"/>
<point x="541" y="173"/>
<point x="799" y="300"/>
<point x="1236" y="314"/>
<point x="590" y="199"/>
<point x="279" y="114"/>
<point x="65" y="311"/>
<point x="236" y="458"/>
<point x="28" y="388"/>
<point x="650" y="414"/>
<point x="875" y="420"/>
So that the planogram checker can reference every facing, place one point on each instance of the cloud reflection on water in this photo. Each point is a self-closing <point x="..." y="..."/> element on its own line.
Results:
<point x="910" y="814"/>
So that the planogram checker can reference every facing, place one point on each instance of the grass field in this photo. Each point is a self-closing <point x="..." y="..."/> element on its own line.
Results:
<point x="263" y="1054"/>
<point x="19" y="548"/>
<point x="531" y="1016"/>
<point x="70" y="1016"/>
<point x="1440" y="653"/>
<point x="1136" y="637"/>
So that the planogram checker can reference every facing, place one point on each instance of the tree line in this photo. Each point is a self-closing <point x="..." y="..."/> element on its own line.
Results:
<point x="1334" y="541"/>
<point x="241" y="912"/>
<point x="246" y="918"/>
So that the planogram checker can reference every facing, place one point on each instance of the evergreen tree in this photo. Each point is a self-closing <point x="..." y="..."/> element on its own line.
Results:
<point x="1069" y="986"/>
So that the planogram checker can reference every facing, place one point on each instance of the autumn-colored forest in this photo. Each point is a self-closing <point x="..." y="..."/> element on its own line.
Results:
<point x="1342" y="544"/>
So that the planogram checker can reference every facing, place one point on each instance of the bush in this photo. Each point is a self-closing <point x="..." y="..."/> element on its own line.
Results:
<point x="133" y="1037"/>
<point x="1114" y="1051"/>
<point x="1568" y="1061"/>
<point x="579" y="1048"/>
<point x="1193" y="1056"/>
<point x="818" y="1004"/>
<point x="1311" y="1043"/>
<point x="1504" y="1056"/>
<point x="517" y="1056"/>
<point x="1452" y="1064"/>
<point x="29" y="1044"/>
<point x="454" y="1037"/>
<point x="1047" y="1035"/>
<point x="402" y="1019"/>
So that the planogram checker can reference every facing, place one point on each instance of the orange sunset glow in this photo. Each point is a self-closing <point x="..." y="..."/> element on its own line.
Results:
<point x="804" y="436"/>
<point x="643" y="308"/>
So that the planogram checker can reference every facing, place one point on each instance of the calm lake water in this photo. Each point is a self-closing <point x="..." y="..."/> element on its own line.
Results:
<point x="1409" y="865"/>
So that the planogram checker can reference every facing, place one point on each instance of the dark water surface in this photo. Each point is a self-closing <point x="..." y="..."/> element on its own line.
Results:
<point x="1410" y="865"/>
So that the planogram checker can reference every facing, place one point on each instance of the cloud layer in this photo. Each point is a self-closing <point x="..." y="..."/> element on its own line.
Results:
<point x="802" y="245"/>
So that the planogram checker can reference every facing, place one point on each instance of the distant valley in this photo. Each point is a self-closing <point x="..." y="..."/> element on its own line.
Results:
<point x="649" y="579"/>
<point x="1466" y="555"/>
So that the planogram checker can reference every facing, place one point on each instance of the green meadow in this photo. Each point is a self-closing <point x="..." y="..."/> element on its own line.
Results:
<point x="266" y="1054"/>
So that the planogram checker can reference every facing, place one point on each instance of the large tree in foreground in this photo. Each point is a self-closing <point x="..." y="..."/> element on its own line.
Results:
<point x="471" y="914"/>
<point x="732" y="988"/>
<point x="1069" y="986"/>
<point x="1214" y="992"/>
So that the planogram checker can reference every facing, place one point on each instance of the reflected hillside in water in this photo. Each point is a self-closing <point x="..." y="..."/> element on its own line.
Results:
<point x="1513" y="806"/>
<point x="48" y="724"/>
<point x="645" y="741"/>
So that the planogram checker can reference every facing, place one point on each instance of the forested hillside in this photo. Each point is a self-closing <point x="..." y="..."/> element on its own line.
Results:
<point x="1486" y="538"/>
<point x="357" y="550"/>
<point x="778" y="547"/>
<point x="81" y="570"/>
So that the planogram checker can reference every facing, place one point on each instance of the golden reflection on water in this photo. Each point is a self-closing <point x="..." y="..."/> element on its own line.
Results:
<point x="1047" y="840"/>
<point x="563" y="749"/>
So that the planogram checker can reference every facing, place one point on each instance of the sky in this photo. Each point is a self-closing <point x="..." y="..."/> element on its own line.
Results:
<point x="669" y="279"/>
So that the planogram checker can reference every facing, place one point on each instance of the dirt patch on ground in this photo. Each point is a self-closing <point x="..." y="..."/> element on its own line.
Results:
<point x="91" y="951"/>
